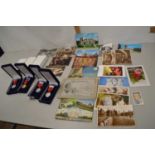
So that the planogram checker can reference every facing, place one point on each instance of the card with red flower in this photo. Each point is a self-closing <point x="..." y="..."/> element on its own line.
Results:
<point x="137" y="76"/>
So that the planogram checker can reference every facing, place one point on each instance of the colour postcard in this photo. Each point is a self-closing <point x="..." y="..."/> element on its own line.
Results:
<point x="114" y="81"/>
<point x="75" y="110"/>
<point x="87" y="40"/>
<point x="137" y="76"/>
<point x="135" y="47"/>
<point x="111" y="71"/>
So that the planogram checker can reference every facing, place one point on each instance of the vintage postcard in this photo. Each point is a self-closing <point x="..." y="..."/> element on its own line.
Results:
<point x="90" y="72"/>
<point x="87" y="52"/>
<point x="116" y="116"/>
<point x="65" y="51"/>
<point x="123" y="57"/>
<point x="112" y="100"/>
<point x="87" y="40"/>
<point x="60" y="60"/>
<point x="57" y="70"/>
<point x="76" y="73"/>
<point x="113" y="90"/>
<point x="114" y="81"/>
<point x="80" y="88"/>
<point x="137" y="98"/>
<point x="134" y="47"/>
<point x="137" y="76"/>
<point x="111" y="71"/>
<point x="109" y="58"/>
<point x="84" y="61"/>
<point x="74" y="109"/>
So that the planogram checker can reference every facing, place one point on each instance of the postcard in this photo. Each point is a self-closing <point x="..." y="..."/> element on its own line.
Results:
<point x="90" y="72"/>
<point x="84" y="61"/>
<point x="116" y="116"/>
<point x="76" y="73"/>
<point x="114" y="81"/>
<point x="123" y="57"/>
<point x="134" y="47"/>
<point x="80" y="88"/>
<point x="112" y="100"/>
<point x="111" y="71"/>
<point x="113" y="90"/>
<point x="57" y="70"/>
<point x="87" y="52"/>
<point x="74" y="109"/>
<point x="137" y="76"/>
<point x="65" y="51"/>
<point x="64" y="59"/>
<point x="87" y="40"/>
<point x="137" y="98"/>
<point x="109" y="58"/>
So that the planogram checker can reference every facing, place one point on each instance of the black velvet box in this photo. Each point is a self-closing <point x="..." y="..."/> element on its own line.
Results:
<point x="16" y="78"/>
<point x="28" y="77"/>
<point x="40" y="85"/>
<point x="52" y="88"/>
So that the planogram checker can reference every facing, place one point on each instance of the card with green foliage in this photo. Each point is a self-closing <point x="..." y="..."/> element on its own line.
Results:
<point x="74" y="109"/>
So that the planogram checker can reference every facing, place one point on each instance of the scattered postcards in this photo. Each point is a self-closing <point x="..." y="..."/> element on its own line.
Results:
<point x="137" y="76"/>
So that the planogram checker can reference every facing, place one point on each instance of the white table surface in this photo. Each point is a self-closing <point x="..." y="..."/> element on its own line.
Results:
<point x="20" y="109"/>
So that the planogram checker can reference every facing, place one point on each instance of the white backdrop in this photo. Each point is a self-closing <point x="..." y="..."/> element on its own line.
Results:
<point x="35" y="38"/>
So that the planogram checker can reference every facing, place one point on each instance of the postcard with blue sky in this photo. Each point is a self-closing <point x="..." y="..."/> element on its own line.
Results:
<point x="114" y="81"/>
<point x="134" y="47"/>
<point x="86" y="36"/>
<point x="87" y="52"/>
<point x="90" y="72"/>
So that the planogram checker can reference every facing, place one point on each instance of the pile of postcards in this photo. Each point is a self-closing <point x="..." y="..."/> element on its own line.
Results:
<point x="99" y="79"/>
